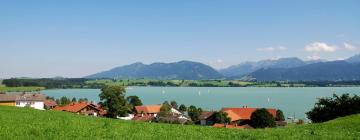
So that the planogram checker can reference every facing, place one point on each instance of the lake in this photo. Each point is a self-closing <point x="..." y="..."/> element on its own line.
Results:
<point x="293" y="101"/>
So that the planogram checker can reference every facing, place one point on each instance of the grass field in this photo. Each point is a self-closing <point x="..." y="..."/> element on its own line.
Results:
<point x="23" y="123"/>
<point x="19" y="89"/>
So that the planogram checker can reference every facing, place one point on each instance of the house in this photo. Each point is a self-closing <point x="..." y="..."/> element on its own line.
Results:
<point x="206" y="118"/>
<point x="149" y="110"/>
<point x="49" y="104"/>
<point x="83" y="108"/>
<point x="35" y="101"/>
<point x="146" y="113"/>
<point x="241" y="116"/>
<point x="7" y="100"/>
<point x="150" y="113"/>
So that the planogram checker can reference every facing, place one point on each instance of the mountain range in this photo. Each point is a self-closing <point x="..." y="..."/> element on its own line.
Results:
<point x="178" y="70"/>
<point x="292" y="69"/>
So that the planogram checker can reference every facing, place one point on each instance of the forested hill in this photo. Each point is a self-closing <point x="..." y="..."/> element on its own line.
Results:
<point x="186" y="70"/>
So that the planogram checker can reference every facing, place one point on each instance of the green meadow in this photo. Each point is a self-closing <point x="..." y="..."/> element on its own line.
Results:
<point x="26" y="123"/>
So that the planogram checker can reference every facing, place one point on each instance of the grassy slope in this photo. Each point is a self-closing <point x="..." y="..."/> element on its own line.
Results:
<point x="22" y="123"/>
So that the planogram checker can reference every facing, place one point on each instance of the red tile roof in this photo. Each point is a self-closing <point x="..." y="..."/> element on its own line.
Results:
<point x="149" y="109"/>
<point x="22" y="97"/>
<point x="75" y="107"/>
<point x="7" y="97"/>
<point x="244" y="113"/>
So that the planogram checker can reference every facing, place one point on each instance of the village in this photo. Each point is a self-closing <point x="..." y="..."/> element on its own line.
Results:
<point x="230" y="117"/>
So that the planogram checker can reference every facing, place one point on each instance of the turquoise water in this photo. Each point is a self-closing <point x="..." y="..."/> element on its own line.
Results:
<point x="293" y="101"/>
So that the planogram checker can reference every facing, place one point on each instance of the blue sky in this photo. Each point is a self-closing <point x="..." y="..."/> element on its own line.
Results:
<point x="76" y="38"/>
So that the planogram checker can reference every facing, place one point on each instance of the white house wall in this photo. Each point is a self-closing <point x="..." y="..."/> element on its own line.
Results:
<point x="33" y="104"/>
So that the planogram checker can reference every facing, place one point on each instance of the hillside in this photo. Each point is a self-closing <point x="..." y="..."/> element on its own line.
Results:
<point x="22" y="123"/>
<point x="324" y="71"/>
<point x="186" y="70"/>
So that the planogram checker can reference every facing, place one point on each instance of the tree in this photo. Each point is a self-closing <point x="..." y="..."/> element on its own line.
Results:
<point x="64" y="100"/>
<point x="194" y="113"/>
<point x="174" y="104"/>
<point x="166" y="103"/>
<point x="132" y="102"/>
<point x="58" y="101"/>
<point x="73" y="99"/>
<point x="330" y="108"/>
<point x="113" y="100"/>
<point x="221" y="117"/>
<point x="165" y="110"/>
<point x="182" y="108"/>
<point x="261" y="118"/>
<point x="279" y="115"/>
<point x="83" y="100"/>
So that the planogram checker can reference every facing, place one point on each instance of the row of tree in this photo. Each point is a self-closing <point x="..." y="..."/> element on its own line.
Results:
<point x="46" y="82"/>
<point x="65" y="100"/>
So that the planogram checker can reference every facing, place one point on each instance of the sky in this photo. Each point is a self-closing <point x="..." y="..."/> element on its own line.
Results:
<point x="75" y="38"/>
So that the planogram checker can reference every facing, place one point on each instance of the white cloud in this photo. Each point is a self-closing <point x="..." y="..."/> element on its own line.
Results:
<point x="349" y="47"/>
<point x="314" y="57"/>
<point x="320" y="47"/>
<point x="282" y="48"/>
<point x="268" y="49"/>
<point x="219" y="61"/>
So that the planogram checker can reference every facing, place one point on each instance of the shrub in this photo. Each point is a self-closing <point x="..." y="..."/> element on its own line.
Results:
<point x="261" y="118"/>
<point x="330" y="108"/>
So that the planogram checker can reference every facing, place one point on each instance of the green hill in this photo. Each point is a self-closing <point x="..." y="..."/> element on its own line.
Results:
<point x="23" y="123"/>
